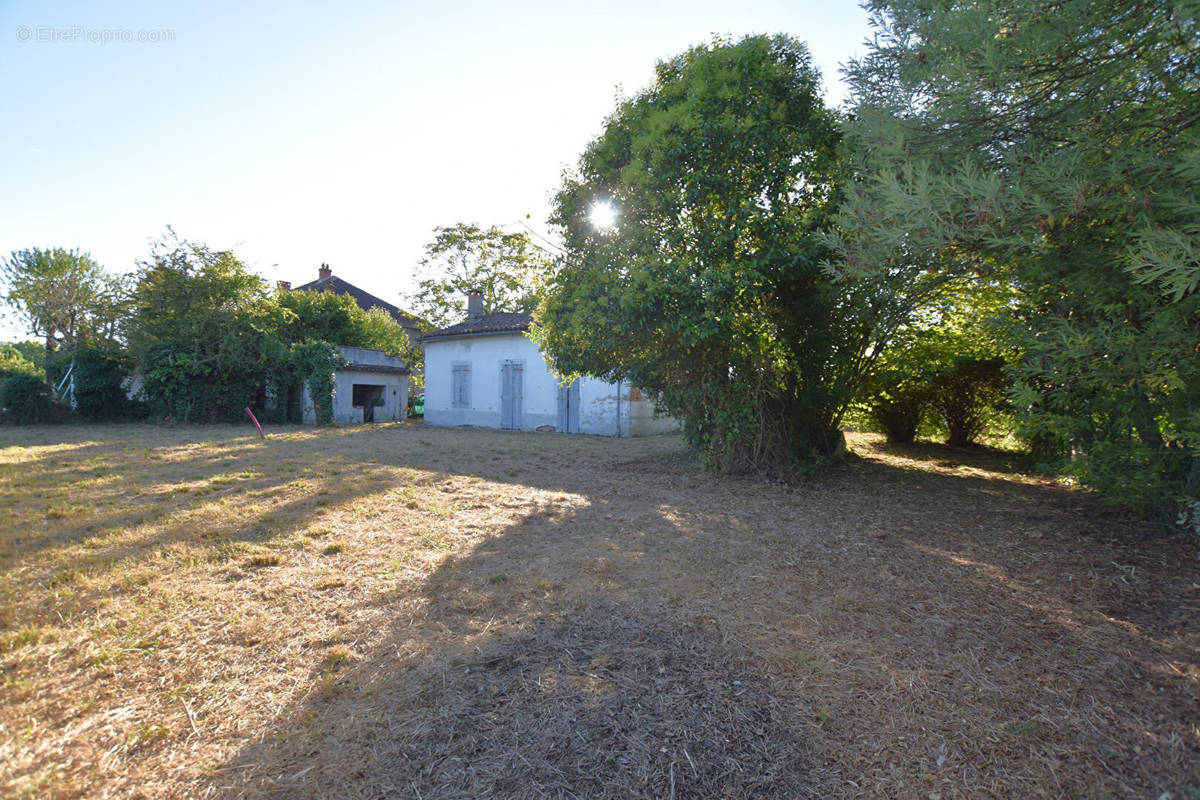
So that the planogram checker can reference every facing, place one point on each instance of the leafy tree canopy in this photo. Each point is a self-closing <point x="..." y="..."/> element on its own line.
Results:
<point x="708" y="290"/>
<point x="203" y="329"/>
<point x="32" y="351"/>
<point x="64" y="296"/>
<point x="462" y="258"/>
<point x="187" y="291"/>
<point x="14" y="362"/>
<point x="1056" y="142"/>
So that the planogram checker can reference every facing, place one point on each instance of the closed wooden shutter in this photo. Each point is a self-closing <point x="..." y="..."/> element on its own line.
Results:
<point x="460" y="390"/>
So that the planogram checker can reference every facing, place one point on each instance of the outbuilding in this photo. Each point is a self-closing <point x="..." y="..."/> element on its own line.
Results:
<point x="486" y="371"/>
<point x="371" y="387"/>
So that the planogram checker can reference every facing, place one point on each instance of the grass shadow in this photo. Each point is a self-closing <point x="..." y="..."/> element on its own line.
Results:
<point x="910" y="623"/>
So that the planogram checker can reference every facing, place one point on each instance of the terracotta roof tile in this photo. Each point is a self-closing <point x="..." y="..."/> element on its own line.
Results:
<point x="499" y="322"/>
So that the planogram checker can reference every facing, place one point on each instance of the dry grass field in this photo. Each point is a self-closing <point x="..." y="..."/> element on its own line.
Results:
<point x="400" y="611"/>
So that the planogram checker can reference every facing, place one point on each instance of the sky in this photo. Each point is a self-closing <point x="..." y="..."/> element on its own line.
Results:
<point x="299" y="133"/>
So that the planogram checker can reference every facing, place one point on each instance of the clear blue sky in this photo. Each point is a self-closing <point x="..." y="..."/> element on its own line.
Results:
<point x="297" y="133"/>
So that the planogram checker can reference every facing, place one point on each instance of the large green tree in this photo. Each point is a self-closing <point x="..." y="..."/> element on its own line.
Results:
<point x="504" y="267"/>
<point x="708" y="289"/>
<point x="203" y="327"/>
<point x="64" y="296"/>
<point x="1058" y="142"/>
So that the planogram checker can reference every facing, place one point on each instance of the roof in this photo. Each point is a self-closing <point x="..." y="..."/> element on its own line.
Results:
<point x="366" y="301"/>
<point x="499" y="322"/>
<point x="381" y="369"/>
<point x="368" y="359"/>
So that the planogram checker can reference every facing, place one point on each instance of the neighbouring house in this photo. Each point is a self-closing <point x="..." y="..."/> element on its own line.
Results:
<point x="486" y="371"/>
<point x="328" y="282"/>
<point x="371" y="387"/>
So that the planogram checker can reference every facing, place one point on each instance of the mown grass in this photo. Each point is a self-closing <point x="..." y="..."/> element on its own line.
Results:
<point x="192" y="611"/>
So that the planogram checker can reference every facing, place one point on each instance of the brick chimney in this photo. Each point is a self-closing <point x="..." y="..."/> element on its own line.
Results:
<point x="324" y="271"/>
<point x="475" y="304"/>
<point x="285" y="286"/>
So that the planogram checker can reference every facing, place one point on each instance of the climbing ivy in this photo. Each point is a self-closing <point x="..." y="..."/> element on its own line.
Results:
<point x="315" y="364"/>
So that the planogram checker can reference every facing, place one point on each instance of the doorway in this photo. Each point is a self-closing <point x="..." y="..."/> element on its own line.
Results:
<point x="367" y="396"/>
<point x="512" y="394"/>
<point x="569" y="407"/>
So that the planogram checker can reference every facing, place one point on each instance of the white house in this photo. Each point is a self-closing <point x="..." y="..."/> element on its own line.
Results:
<point x="486" y="371"/>
<point x="371" y="387"/>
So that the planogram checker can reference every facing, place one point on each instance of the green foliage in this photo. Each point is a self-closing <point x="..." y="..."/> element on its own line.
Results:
<point x="899" y="404"/>
<point x="1057" y="142"/>
<point x="967" y="394"/>
<point x="381" y="331"/>
<point x="315" y="363"/>
<point x="202" y="328"/>
<point x="1111" y="395"/>
<point x="64" y="296"/>
<point x="26" y="399"/>
<point x="505" y="267"/>
<point x="327" y="317"/>
<point x="211" y="340"/>
<point x="949" y="358"/>
<point x="32" y="351"/>
<point x="98" y="379"/>
<point x="14" y="362"/>
<point x="321" y="317"/>
<point x="176" y="380"/>
<point x="708" y="292"/>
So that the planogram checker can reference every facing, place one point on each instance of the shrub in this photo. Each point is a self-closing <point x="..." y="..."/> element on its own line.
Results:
<point x="99" y="392"/>
<point x="26" y="398"/>
<point x="967" y="395"/>
<point x="898" y="402"/>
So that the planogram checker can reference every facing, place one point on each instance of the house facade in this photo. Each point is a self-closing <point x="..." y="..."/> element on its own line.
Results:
<point x="487" y="372"/>
<point x="371" y="387"/>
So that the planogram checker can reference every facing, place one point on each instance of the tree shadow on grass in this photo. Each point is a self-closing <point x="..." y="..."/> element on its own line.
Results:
<point x="909" y="623"/>
<point x="605" y="700"/>
<point x="913" y="630"/>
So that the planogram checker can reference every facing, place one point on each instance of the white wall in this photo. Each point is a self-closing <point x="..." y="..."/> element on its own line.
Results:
<point x="395" y="398"/>
<point x="604" y="406"/>
<point x="642" y="421"/>
<point x="395" y="391"/>
<point x="485" y="354"/>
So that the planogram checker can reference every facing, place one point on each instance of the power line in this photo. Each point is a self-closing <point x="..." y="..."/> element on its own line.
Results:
<point x="560" y="250"/>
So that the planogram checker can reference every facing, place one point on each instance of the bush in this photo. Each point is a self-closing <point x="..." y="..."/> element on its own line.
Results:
<point x="899" y="413"/>
<point x="967" y="396"/>
<point x="99" y="392"/>
<point x="26" y="399"/>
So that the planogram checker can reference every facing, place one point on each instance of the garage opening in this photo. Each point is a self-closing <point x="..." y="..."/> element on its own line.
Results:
<point x="368" y="397"/>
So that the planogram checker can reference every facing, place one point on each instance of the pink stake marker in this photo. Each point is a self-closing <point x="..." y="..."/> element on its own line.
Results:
<point x="255" y="421"/>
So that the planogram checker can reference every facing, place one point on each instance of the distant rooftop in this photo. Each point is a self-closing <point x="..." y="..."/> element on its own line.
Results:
<point x="328" y="282"/>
